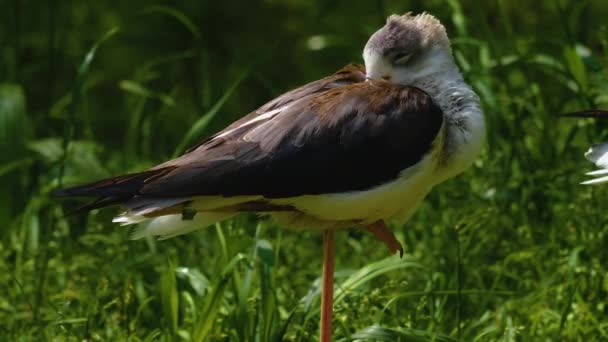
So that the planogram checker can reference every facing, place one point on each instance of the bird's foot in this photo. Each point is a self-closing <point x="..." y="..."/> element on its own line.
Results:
<point x="382" y="233"/>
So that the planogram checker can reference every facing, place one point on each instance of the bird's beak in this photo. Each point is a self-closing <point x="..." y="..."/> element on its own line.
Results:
<point x="600" y="114"/>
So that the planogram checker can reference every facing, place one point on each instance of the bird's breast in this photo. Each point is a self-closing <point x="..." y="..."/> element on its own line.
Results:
<point x="464" y="136"/>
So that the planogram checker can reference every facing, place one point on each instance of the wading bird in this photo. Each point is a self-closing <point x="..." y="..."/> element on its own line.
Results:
<point x="598" y="153"/>
<point x="353" y="149"/>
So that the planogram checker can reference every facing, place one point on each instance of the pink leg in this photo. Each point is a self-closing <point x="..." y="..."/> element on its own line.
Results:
<point x="383" y="234"/>
<point x="327" y="290"/>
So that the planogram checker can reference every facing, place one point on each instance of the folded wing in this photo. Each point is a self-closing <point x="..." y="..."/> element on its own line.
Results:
<point x="338" y="134"/>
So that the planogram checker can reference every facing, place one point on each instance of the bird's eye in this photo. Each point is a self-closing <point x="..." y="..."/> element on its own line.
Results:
<point x="401" y="58"/>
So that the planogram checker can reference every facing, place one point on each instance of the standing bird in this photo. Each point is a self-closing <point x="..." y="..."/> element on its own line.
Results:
<point x="353" y="149"/>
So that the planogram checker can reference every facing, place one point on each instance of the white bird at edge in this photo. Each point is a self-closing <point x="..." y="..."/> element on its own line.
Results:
<point x="597" y="153"/>
<point x="354" y="149"/>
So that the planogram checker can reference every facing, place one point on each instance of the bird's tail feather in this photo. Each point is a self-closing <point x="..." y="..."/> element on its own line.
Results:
<point x="111" y="191"/>
<point x="169" y="226"/>
<point x="119" y="186"/>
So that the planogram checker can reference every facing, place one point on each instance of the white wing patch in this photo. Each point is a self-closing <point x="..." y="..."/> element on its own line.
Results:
<point x="262" y="117"/>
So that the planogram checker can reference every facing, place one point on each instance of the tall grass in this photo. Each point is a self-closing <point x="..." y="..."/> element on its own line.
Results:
<point x="514" y="250"/>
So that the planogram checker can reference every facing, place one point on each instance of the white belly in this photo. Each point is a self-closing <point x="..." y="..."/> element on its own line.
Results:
<point x="394" y="200"/>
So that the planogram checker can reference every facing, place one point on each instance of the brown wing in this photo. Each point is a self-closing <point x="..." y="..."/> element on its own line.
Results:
<point x="335" y="135"/>
<point x="351" y="73"/>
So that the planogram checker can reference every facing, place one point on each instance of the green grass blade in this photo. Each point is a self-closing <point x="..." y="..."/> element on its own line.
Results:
<point x="77" y="91"/>
<point x="371" y="271"/>
<point x="180" y="16"/>
<point x="202" y="123"/>
<point x="378" y="333"/>
<point x="355" y="280"/>
<point x="213" y="300"/>
<point x="577" y="67"/>
<point x="14" y="165"/>
<point x="195" y="278"/>
<point x="14" y="122"/>
<point x="169" y="298"/>
<point x="268" y="304"/>
<point x="139" y="89"/>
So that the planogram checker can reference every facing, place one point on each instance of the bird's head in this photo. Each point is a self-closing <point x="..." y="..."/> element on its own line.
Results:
<point x="407" y="49"/>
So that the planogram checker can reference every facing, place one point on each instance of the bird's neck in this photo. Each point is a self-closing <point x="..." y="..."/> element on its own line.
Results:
<point x="449" y="91"/>
<point x="464" y="130"/>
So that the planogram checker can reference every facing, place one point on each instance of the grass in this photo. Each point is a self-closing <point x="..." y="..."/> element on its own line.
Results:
<point x="513" y="250"/>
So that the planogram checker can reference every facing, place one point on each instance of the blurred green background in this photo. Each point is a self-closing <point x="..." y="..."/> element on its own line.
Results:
<point x="513" y="250"/>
